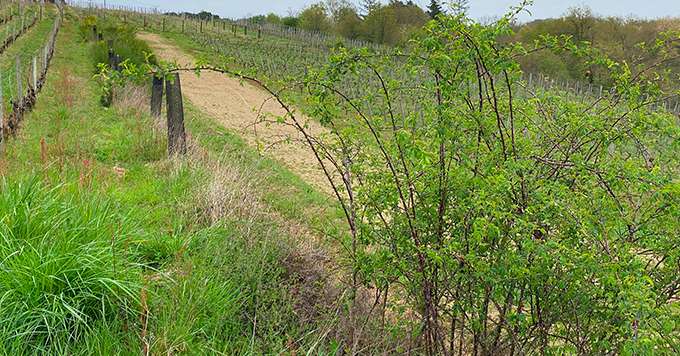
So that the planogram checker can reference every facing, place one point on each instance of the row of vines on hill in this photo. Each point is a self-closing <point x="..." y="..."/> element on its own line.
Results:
<point x="281" y="55"/>
<point x="22" y="77"/>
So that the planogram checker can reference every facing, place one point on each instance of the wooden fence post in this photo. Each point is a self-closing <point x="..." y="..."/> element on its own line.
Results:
<point x="156" y="96"/>
<point x="176" y="135"/>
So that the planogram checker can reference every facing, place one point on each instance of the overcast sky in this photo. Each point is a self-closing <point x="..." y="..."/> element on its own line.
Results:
<point x="478" y="8"/>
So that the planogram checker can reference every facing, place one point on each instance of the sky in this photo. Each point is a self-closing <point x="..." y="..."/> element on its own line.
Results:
<point x="479" y="9"/>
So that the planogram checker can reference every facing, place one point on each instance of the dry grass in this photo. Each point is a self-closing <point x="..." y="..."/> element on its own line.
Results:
<point x="230" y="193"/>
<point x="131" y="98"/>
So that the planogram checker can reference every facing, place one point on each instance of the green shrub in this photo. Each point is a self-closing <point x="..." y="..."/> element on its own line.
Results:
<point x="125" y="42"/>
<point x="62" y="269"/>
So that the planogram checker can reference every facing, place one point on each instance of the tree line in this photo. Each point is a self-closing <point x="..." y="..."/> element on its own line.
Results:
<point x="391" y="23"/>
<point x="395" y="22"/>
<point x="627" y="40"/>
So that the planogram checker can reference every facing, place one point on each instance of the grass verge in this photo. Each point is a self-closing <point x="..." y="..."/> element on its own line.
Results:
<point x="137" y="252"/>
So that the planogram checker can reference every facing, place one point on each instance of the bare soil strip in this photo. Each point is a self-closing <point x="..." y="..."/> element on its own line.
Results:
<point x="235" y="105"/>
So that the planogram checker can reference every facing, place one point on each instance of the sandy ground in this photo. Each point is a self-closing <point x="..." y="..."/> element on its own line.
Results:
<point x="235" y="104"/>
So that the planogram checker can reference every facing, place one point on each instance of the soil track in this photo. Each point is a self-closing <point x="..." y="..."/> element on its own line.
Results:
<point x="235" y="105"/>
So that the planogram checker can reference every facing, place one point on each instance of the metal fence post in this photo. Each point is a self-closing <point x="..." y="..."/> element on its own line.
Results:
<point x="35" y="73"/>
<point x="20" y="89"/>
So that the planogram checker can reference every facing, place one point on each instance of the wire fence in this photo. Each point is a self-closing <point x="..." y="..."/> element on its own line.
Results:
<point x="23" y="80"/>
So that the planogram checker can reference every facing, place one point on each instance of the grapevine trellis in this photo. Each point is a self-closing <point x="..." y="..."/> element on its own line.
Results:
<point x="283" y="54"/>
<point x="288" y="61"/>
<point x="21" y="82"/>
<point x="13" y="29"/>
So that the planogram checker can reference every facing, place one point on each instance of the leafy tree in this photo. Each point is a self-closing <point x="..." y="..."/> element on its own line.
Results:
<point x="393" y="23"/>
<point x="315" y="18"/>
<point x="291" y="21"/>
<point x="334" y="7"/>
<point x="205" y="15"/>
<point x="581" y="23"/>
<point x="273" y="18"/>
<point x="381" y="26"/>
<point x="409" y="15"/>
<point x="348" y="23"/>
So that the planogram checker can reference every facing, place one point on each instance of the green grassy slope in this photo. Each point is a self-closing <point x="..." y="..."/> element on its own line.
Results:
<point x="168" y="269"/>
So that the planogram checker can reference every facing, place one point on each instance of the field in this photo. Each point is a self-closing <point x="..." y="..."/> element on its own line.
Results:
<point x="333" y="197"/>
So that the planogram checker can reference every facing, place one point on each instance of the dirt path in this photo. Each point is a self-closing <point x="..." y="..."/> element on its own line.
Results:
<point x="235" y="105"/>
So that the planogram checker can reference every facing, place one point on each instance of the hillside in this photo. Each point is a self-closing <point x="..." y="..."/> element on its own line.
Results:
<point x="190" y="185"/>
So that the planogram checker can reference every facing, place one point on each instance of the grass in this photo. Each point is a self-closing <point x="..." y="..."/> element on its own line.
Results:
<point x="131" y="251"/>
<point x="61" y="269"/>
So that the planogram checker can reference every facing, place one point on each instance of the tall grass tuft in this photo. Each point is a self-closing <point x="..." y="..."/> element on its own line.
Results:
<point x="62" y="269"/>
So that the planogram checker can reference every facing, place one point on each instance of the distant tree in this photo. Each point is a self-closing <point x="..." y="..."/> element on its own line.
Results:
<point x="259" y="19"/>
<point x="581" y="21"/>
<point x="347" y="23"/>
<point x="434" y="9"/>
<point x="393" y="23"/>
<point x="205" y="15"/>
<point x="291" y="21"/>
<point x="367" y="6"/>
<point x="314" y="18"/>
<point x="273" y="18"/>
<point x="334" y="7"/>
<point x="381" y="26"/>
<point x="410" y="14"/>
